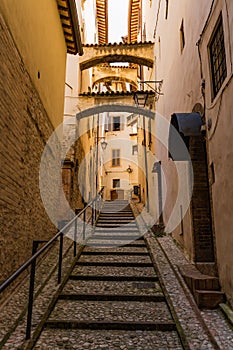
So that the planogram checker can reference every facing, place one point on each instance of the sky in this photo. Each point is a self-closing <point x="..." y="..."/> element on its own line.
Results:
<point x="117" y="20"/>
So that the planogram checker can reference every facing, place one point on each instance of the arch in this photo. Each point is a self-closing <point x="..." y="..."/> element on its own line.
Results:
<point x="115" y="58"/>
<point x="115" y="79"/>
<point x="116" y="107"/>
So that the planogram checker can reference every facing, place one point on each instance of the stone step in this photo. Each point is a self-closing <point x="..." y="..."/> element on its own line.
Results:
<point x="112" y="287"/>
<point x="99" y="245"/>
<point x="114" y="263"/>
<point x="107" y="244"/>
<point x="118" y="237"/>
<point x="209" y="299"/>
<point x="196" y="280"/>
<point x="116" y="229"/>
<point x="114" y="222"/>
<point x="116" y="212"/>
<point x="111" y="310"/>
<point x="113" y="297"/>
<point x="80" y="339"/>
<point x="106" y="215"/>
<point x="113" y="325"/>
<point x="114" y="271"/>
<point x="116" y="218"/>
<point x="116" y="258"/>
<point x="115" y="278"/>
<point x="103" y="253"/>
<point x="133" y="247"/>
<point x="117" y="225"/>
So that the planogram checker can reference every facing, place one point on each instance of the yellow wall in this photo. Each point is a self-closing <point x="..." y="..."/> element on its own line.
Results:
<point x="37" y="31"/>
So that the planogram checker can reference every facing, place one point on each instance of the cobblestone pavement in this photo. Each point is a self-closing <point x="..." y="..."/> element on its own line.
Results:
<point x="199" y="325"/>
<point x="109" y="340"/>
<point x="202" y="330"/>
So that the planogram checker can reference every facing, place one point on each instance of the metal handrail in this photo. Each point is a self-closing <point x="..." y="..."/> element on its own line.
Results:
<point x="32" y="260"/>
<point x="18" y="272"/>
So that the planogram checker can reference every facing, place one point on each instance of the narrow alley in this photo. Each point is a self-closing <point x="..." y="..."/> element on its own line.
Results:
<point x="116" y="174"/>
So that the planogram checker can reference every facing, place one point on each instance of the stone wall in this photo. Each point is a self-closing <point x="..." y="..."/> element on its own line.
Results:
<point x="24" y="129"/>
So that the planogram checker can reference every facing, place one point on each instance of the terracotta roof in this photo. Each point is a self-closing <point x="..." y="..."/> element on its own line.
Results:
<point x="70" y="24"/>
<point x="102" y="20"/>
<point x="121" y="67"/>
<point x="120" y="44"/>
<point x="133" y="20"/>
<point x="113" y="93"/>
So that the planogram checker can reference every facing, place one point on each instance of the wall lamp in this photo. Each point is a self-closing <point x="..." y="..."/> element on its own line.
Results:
<point x="129" y="169"/>
<point x="103" y="143"/>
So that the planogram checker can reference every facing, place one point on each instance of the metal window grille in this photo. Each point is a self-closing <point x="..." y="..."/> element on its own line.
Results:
<point x="218" y="57"/>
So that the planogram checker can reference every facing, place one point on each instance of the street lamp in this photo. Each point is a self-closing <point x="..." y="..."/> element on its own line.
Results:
<point x="140" y="98"/>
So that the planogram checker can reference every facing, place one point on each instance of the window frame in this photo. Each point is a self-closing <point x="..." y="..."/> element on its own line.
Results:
<point x="133" y="151"/>
<point x="114" y="184"/>
<point x="116" y="126"/>
<point x="116" y="159"/>
<point x="222" y="66"/>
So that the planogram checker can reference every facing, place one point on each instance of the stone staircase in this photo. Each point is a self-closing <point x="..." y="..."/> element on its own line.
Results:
<point x="112" y="298"/>
<point x="116" y="225"/>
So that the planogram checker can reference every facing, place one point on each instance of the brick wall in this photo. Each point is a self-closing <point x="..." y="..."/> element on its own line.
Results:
<point x="200" y="204"/>
<point x="24" y="130"/>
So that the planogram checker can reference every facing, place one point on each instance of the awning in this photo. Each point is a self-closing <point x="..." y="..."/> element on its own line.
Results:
<point x="186" y="125"/>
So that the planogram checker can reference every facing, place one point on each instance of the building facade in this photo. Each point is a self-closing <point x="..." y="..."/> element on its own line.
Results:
<point x="34" y="44"/>
<point x="193" y="55"/>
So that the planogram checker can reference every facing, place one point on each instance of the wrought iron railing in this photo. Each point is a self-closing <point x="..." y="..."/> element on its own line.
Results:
<point x="95" y="206"/>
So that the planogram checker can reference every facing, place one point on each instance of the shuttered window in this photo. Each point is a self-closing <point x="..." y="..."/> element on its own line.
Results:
<point x="115" y="157"/>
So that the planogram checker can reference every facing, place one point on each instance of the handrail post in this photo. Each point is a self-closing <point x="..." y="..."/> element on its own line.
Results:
<point x="76" y="232"/>
<point x="31" y="291"/>
<point x="84" y="224"/>
<point x="94" y="210"/>
<point x="60" y="259"/>
<point x="75" y="236"/>
<point x="92" y="214"/>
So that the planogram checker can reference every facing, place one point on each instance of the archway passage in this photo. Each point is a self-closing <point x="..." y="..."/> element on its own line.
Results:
<point x="95" y="60"/>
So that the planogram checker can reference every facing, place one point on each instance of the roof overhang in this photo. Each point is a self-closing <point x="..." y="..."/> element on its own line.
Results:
<point x="70" y="24"/>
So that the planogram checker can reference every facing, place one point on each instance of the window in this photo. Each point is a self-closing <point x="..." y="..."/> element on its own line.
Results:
<point x="166" y="9"/>
<point x="134" y="150"/>
<point x="217" y="57"/>
<point x="116" y="123"/>
<point x="134" y="129"/>
<point x="115" y="157"/>
<point x="182" y="38"/>
<point x="115" y="183"/>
